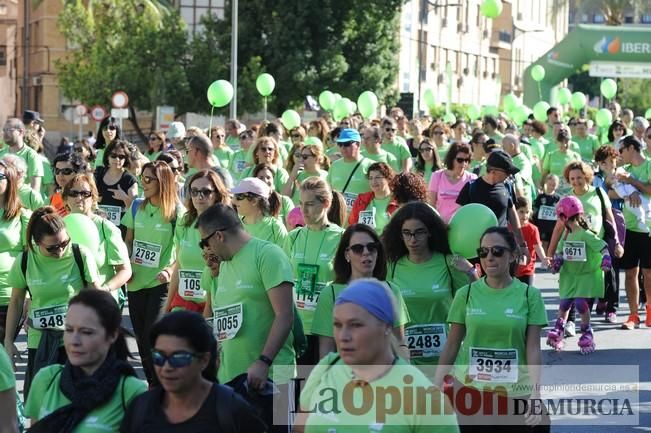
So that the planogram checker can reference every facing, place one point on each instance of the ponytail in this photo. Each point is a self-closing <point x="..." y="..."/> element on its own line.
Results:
<point x="45" y="221"/>
<point x="337" y="210"/>
<point x="275" y="203"/>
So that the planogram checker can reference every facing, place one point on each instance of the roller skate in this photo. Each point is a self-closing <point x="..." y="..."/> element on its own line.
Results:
<point x="586" y="342"/>
<point x="555" y="336"/>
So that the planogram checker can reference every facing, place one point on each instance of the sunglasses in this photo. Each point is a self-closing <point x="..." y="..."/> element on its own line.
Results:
<point x="178" y="359"/>
<point x="63" y="171"/>
<point x="219" y="136"/>
<point x="175" y="169"/>
<point x="110" y="128"/>
<point x="438" y="132"/>
<point x="3" y="176"/>
<point x="389" y="129"/>
<point x="79" y="149"/>
<point x="203" y="243"/>
<point x="308" y="156"/>
<point x="426" y="149"/>
<point x="345" y="143"/>
<point x="571" y="124"/>
<point x="57" y="247"/>
<point x="244" y="196"/>
<point x="75" y="193"/>
<point x="497" y="251"/>
<point x="462" y="160"/>
<point x="358" y="249"/>
<point x="195" y="192"/>
<point x="296" y="135"/>
<point x="118" y="156"/>
<point x="153" y="138"/>
<point x="148" y="179"/>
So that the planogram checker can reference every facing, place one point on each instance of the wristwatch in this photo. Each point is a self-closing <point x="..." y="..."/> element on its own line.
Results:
<point x="266" y="360"/>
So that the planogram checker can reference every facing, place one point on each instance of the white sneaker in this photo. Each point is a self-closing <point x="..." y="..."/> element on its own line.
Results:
<point x="570" y="329"/>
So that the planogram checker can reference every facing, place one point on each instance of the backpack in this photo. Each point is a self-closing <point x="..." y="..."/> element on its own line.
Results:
<point x="78" y="260"/>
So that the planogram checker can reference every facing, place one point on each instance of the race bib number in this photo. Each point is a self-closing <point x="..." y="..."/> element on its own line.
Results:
<point x="494" y="365"/>
<point x="227" y="321"/>
<point x="574" y="251"/>
<point x="49" y="317"/>
<point x="146" y="254"/>
<point x="190" y="284"/>
<point x="240" y="165"/>
<point x="367" y="217"/>
<point x="113" y="213"/>
<point x="426" y="341"/>
<point x="547" y="213"/>
<point x="306" y="288"/>
<point x="350" y="198"/>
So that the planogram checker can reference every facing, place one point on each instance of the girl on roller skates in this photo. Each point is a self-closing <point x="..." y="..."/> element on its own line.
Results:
<point x="582" y="257"/>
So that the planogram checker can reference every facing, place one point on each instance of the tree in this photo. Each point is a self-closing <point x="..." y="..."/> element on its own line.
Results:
<point x="308" y="46"/>
<point x="132" y="45"/>
<point x="634" y="93"/>
<point x="612" y="10"/>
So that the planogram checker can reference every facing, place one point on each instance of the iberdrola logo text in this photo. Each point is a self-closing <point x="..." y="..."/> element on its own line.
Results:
<point x="610" y="45"/>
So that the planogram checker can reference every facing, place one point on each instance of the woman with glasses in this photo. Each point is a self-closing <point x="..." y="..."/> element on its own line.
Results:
<point x="616" y="131"/>
<point x="428" y="275"/>
<point x="220" y="149"/>
<point x="109" y="130"/>
<point x="319" y="128"/>
<point x="150" y="227"/>
<point x="265" y="173"/>
<point x="427" y="160"/>
<point x="446" y="184"/>
<point x="174" y="160"/>
<point x="266" y="150"/>
<point x="374" y="208"/>
<point x="188" y="399"/>
<point x="53" y="270"/>
<point x="310" y="162"/>
<point x="259" y="206"/>
<point x="80" y="196"/>
<point x="65" y="167"/>
<point x="297" y="136"/>
<point x="438" y="134"/>
<point x="93" y="389"/>
<point x="156" y="145"/>
<point x="185" y="292"/>
<point x="360" y="254"/>
<point x="496" y="322"/>
<point x="242" y="158"/>
<point x="30" y="198"/>
<point x="310" y="250"/>
<point x="116" y="186"/>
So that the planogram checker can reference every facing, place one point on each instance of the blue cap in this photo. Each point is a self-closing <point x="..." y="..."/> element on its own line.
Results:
<point x="349" y="134"/>
<point x="371" y="295"/>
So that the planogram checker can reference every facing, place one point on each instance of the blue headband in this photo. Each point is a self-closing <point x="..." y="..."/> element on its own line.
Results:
<point x="372" y="296"/>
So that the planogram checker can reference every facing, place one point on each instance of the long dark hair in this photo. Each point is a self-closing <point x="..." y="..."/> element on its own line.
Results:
<point x="191" y="327"/>
<point x="392" y="236"/>
<point x="343" y="269"/>
<point x="509" y="238"/>
<point x="100" y="143"/>
<point x="45" y="221"/>
<point x="419" y="166"/>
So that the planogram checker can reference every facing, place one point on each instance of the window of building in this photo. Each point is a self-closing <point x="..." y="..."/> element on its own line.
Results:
<point x="628" y="19"/>
<point x="478" y="15"/>
<point x="3" y="55"/>
<point x="599" y="18"/>
<point x="646" y="19"/>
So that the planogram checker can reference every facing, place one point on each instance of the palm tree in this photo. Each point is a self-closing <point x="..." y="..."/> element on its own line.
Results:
<point x="612" y="10"/>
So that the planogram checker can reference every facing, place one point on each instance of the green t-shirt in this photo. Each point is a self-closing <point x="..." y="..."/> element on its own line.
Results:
<point x="442" y="149"/>
<point x="242" y="312"/>
<point x="152" y="156"/>
<point x="7" y="375"/>
<point x="587" y="146"/>
<point x="427" y="173"/>
<point x="45" y="397"/>
<point x="573" y="146"/>
<point x="592" y="209"/>
<point x="538" y="146"/>
<point x="30" y="198"/>
<point x="329" y="411"/>
<point x="233" y="142"/>
<point x="99" y="158"/>
<point x="524" y="177"/>
<point x="240" y="161"/>
<point x="497" y="137"/>
<point x="341" y="171"/>
<point x="428" y="289"/>
<point x="322" y="321"/>
<point x="190" y="262"/>
<point x="153" y="245"/>
<point x="52" y="282"/>
<point x="496" y="323"/>
<point x="286" y="206"/>
<point x="296" y="196"/>
<point x="34" y="162"/>
<point x="224" y="155"/>
<point x="383" y="156"/>
<point x="13" y="235"/>
<point x="311" y="254"/>
<point x="581" y="274"/>
<point x="375" y="214"/>
<point x="48" y="177"/>
<point x="642" y="173"/>
<point x="112" y="250"/>
<point x="556" y="161"/>
<point x="268" y="229"/>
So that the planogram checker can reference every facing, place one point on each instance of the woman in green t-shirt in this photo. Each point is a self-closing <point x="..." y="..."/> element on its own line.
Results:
<point x="221" y="151"/>
<point x="258" y="207"/>
<point x="266" y="150"/>
<point x="494" y="338"/>
<point x="93" y="389"/>
<point x="427" y="160"/>
<point x="185" y="292"/>
<point x="8" y="397"/>
<point x="150" y="227"/>
<point x="265" y="173"/>
<point x="156" y="145"/>
<point x="427" y="274"/>
<point x="312" y="162"/>
<point x="374" y="208"/>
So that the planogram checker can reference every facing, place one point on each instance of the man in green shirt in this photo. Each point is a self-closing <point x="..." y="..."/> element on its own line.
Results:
<point x="13" y="135"/>
<point x="588" y="143"/>
<point x="373" y="150"/>
<point x="233" y="134"/>
<point x="348" y="174"/>
<point x="395" y="145"/>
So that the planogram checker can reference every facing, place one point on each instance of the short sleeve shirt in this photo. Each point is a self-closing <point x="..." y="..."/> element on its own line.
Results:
<point x="13" y="235"/>
<point x="642" y="173"/>
<point x="447" y="192"/>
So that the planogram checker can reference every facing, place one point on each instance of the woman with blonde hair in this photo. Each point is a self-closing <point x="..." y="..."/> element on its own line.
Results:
<point x="310" y="162"/>
<point x="220" y="149"/>
<point x="266" y="150"/>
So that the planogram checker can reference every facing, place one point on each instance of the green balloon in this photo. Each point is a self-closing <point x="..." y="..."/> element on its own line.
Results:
<point x="449" y="118"/>
<point x="265" y="84"/>
<point x="429" y="98"/>
<point x="540" y="111"/>
<point x="337" y="97"/>
<point x="520" y="114"/>
<point x="491" y="8"/>
<point x="510" y="101"/>
<point x="474" y="112"/>
<point x="367" y="104"/>
<point x="341" y="109"/>
<point x="83" y="231"/>
<point x="538" y="73"/>
<point x="327" y="100"/>
<point x="491" y="110"/>
<point x="564" y="95"/>
<point x="220" y="93"/>
<point x="578" y="100"/>
<point x="604" y="118"/>
<point x="647" y="114"/>
<point x="290" y="119"/>
<point x="466" y="227"/>
<point x="608" y="88"/>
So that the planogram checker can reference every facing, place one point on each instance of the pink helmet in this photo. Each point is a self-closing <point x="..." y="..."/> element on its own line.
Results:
<point x="569" y="206"/>
<point x="295" y="218"/>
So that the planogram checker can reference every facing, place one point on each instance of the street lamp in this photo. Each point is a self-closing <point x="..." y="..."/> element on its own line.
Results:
<point x="234" y="5"/>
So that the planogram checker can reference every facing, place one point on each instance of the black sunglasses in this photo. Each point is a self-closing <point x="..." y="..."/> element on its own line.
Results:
<point x="345" y="143"/>
<point x="111" y="127"/>
<point x="118" y="156"/>
<point x="195" y="192"/>
<point x="296" y="135"/>
<point x="175" y="360"/>
<point x="497" y="251"/>
<point x="244" y="196"/>
<point x="64" y="171"/>
<point x="79" y="149"/>
<point x="57" y="247"/>
<point x="203" y="243"/>
<point x="358" y="249"/>
<point x="462" y="160"/>
<point x="75" y="193"/>
<point x="426" y="149"/>
<point x="390" y="129"/>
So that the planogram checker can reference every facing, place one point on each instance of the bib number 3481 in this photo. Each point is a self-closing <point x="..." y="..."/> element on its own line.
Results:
<point x="49" y="317"/>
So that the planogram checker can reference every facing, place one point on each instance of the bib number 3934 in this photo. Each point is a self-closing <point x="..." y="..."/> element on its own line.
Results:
<point x="574" y="251"/>
<point x="494" y="365"/>
<point x="49" y="317"/>
<point x="227" y="321"/>
<point x="190" y="284"/>
<point x="425" y="341"/>
<point x="146" y="254"/>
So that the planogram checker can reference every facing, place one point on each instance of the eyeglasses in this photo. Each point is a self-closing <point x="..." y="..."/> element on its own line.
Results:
<point x="358" y="249"/>
<point x="345" y="143"/>
<point x="203" y="243"/>
<point x="110" y="128"/>
<point x="195" y="192"/>
<point x="118" y="156"/>
<point x="389" y="129"/>
<point x="497" y="251"/>
<point x="244" y="196"/>
<point x="219" y="136"/>
<point x="426" y="149"/>
<point x="462" y="160"/>
<point x="12" y="128"/>
<point x="57" y="247"/>
<point x="267" y="149"/>
<point x="153" y="138"/>
<point x="178" y="359"/>
<point x="63" y="171"/>
<point x="75" y="193"/>
<point x="307" y="156"/>
<point x="438" y="132"/>
<point x="175" y="169"/>
<point x="148" y="179"/>
<point x="418" y="235"/>
<point x="296" y="135"/>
